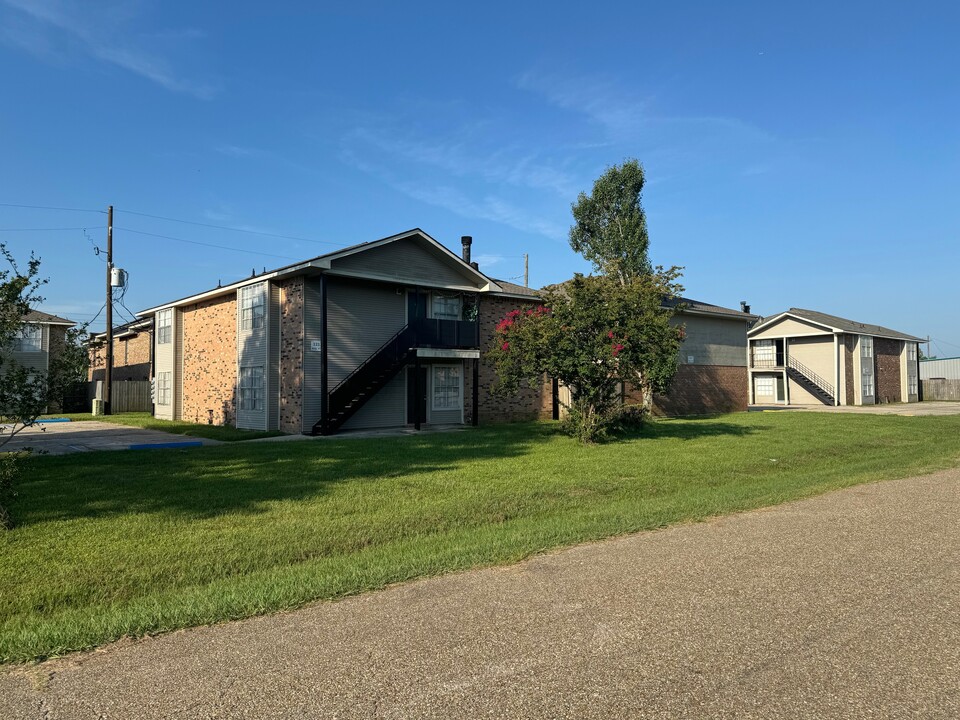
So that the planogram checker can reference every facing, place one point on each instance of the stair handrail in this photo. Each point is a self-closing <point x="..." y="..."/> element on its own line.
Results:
<point x="356" y="371"/>
<point x="810" y="375"/>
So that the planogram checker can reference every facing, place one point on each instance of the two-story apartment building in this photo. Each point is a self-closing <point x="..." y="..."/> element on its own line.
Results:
<point x="381" y="334"/>
<point x="41" y="337"/>
<point x="804" y="357"/>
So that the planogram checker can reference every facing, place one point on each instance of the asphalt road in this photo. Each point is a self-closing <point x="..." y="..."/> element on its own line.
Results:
<point x="64" y="438"/>
<point x="843" y="606"/>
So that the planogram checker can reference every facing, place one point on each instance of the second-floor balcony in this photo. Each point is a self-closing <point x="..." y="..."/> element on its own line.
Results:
<point x="766" y="360"/>
<point x="450" y="334"/>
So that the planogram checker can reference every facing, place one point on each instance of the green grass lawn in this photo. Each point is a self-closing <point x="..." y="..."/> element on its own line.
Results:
<point x="176" y="427"/>
<point x="126" y="543"/>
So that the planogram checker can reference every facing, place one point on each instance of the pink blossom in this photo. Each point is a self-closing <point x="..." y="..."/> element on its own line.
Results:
<point x="505" y="346"/>
<point x="610" y="334"/>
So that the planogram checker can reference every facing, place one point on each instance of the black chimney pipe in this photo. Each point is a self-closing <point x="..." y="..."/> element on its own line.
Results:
<point x="466" y="241"/>
<point x="744" y="307"/>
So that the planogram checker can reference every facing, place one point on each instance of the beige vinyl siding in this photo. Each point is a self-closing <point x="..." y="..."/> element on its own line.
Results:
<point x="165" y="357"/>
<point x="407" y="261"/>
<point x="790" y="327"/>
<point x="816" y="353"/>
<point x="713" y="341"/>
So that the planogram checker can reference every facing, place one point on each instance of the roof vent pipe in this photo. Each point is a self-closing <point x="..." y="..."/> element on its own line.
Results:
<point x="466" y="241"/>
<point x="475" y="266"/>
<point x="744" y="307"/>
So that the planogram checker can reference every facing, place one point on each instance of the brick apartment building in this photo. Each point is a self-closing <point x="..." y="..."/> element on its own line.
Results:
<point x="384" y="334"/>
<point x="805" y="357"/>
<point x="132" y="352"/>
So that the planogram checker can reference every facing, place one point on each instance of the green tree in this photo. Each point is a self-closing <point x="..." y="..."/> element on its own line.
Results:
<point x="595" y="335"/>
<point x="26" y="392"/>
<point x="610" y="228"/>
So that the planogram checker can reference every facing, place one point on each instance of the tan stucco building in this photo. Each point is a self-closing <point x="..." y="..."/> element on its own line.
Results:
<point x="805" y="357"/>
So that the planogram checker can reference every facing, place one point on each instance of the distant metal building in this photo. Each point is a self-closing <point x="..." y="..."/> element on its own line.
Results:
<point x="946" y="368"/>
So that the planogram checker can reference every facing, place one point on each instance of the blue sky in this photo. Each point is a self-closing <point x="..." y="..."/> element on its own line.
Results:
<point x="801" y="156"/>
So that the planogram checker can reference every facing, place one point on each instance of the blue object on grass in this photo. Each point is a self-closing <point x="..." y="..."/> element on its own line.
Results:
<point x="165" y="446"/>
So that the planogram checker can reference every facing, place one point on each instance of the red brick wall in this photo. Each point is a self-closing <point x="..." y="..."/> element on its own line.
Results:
<point x="702" y="390"/>
<point x="291" y="355"/>
<point x="210" y="360"/>
<point x="849" y="343"/>
<point x="887" y="356"/>
<point x="131" y="358"/>
<point x="528" y="402"/>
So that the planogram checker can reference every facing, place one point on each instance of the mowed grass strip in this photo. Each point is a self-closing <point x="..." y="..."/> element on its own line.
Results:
<point x="129" y="543"/>
<point x="146" y="421"/>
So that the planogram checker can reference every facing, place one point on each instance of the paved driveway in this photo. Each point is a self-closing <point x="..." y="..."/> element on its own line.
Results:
<point x="61" y="438"/>
<point x="932" y="407"/>
<point x="842" y="606"/>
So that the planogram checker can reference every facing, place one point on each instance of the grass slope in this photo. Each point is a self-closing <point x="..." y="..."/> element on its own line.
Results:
<point x="175" y="427"/>
<point x="116" y="543"/>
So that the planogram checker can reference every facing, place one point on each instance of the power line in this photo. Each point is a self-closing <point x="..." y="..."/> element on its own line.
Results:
<point x="49" y="207"/>
<point x="195" y="242"/>
<point x="232" y="229"/>
<point x="96" y="227"/>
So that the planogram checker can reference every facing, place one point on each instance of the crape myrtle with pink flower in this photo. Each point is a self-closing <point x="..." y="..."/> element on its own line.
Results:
<point x="602" y="334"/>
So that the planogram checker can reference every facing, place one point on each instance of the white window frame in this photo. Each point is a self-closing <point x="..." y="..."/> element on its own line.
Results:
<point x="911" y="351"/>
<point x="435" y="384"/>
<point x="165" y="326"/>
<point x="866" y="346"/>
<point x="253" y="306"/>
<point x="912" y="385"/>
<point x="764" y="353"/>
<point x="29" y="339"/>
<point x="764" y="379"/>
<point x="442" y="307"/>
<point x="251" y="392"/>
<point x="866" y="381"/>
<point x="164" y="388"/>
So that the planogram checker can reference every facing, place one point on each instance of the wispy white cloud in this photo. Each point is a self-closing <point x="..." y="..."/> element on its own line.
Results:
<point x="624" y="117"/>
<point x="488" y="260"/>
<point x="489" y="206"/>
<point x="469" y="153"/>
<point x="52" y="28"/>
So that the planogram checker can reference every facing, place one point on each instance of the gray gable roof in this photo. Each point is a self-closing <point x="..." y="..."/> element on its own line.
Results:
<point x="38" y="316"/>
<point x="702" y="307"/>
<point x="688" y="305"/>
<point x="321" y="261"/>
<point x="845" y="325"/>
<point x="513" y="289"/>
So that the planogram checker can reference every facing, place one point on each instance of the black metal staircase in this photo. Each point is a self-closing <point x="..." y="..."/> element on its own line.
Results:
<point x="810" y="381"/>
<point x="372" y="375"/>
<point x="366" y="380"/>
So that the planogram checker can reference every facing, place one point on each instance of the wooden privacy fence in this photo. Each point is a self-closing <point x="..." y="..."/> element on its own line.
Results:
<point x="128" y="396"/>
<point x="940" y="389"/>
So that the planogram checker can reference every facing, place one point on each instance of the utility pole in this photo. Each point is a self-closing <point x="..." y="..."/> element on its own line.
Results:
<point x="108" y="370"/>
<point x="526" y="270"/>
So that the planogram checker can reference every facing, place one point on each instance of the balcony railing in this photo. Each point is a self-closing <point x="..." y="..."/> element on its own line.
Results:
<point x="766" y="361"/>
<point x="451" y="334"/>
